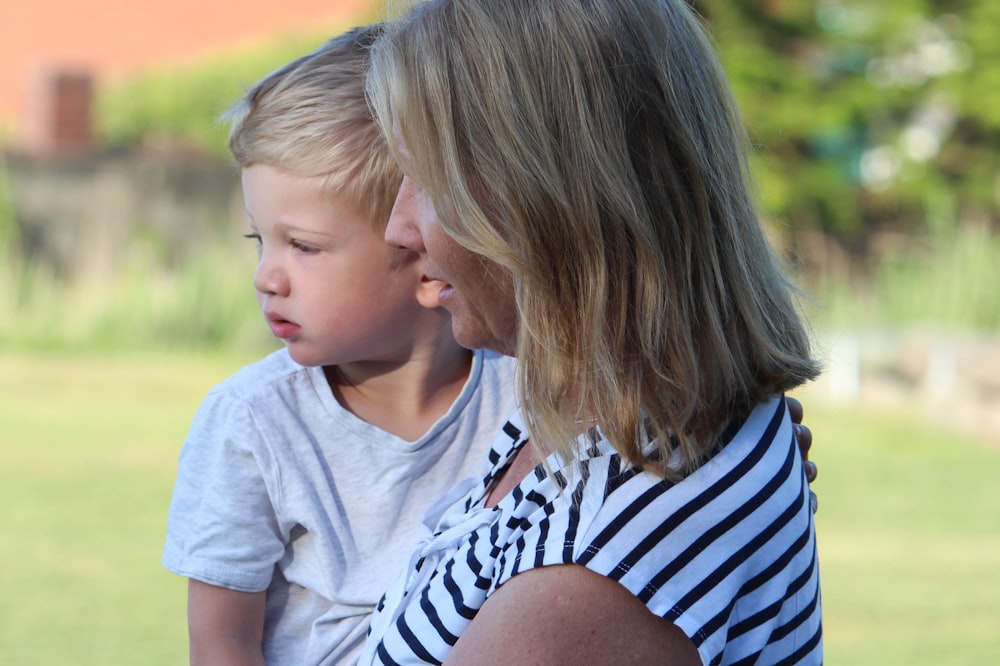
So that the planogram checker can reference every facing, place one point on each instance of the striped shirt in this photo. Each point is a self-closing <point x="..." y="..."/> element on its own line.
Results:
<point x="728" y="554"/>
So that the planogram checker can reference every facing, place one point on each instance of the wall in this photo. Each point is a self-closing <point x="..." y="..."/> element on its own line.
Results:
<point x="84" y="216"/>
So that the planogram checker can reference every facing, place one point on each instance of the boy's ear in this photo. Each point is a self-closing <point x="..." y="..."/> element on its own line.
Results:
<point x="428" y="292"/>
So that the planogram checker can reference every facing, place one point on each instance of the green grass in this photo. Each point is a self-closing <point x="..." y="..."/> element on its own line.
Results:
<point x="86" y="468"/>
<point x="909" y="534"/>
<point x="207" y="302"/>
<point x="909" y="524"/>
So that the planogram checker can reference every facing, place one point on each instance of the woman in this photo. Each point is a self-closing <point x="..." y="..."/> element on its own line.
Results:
<point x="576" y="173"/>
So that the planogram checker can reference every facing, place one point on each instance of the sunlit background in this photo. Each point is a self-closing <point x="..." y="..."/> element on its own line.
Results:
<point x="125" y="295"/>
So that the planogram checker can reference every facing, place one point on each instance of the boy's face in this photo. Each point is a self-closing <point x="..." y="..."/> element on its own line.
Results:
<point x="326" y="281"/>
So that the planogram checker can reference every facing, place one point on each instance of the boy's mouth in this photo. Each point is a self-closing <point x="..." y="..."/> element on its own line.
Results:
<point x="281" y="328"/>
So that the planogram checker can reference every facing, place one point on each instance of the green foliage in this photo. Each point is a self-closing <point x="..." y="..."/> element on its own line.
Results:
<point x="860" y="109"/>
<point x="9" y="230"/>
<point x="946" y="280"/>
<point x="182" y="105"/>
<point x="208" y="302"/>
<point x="205" y="302"/>
<point x="932" y="285"/>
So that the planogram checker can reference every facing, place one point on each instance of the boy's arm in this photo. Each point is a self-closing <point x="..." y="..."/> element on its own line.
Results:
<point x="226" y="627"/>
<point x="803" y="436"/>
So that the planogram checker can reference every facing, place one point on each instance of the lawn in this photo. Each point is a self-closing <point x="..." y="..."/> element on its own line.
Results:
<point x="909" y="521"/>
<point x="909" y="537"/>
<point x="87" y="462"/>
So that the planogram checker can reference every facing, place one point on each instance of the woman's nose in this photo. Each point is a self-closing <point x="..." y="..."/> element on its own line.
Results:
<point x="402" y="230"/>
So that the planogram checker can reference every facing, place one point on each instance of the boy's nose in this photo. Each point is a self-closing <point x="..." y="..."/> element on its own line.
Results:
<point x="269" y="279"/>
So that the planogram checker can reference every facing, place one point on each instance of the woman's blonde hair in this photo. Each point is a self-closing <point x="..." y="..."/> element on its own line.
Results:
<point x="310" y="119"/>
<point x="592" y="149"/>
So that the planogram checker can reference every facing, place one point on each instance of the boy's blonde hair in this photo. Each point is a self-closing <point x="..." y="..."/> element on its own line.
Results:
<point x="310" y="119"/>
<point x="592" y="149"/>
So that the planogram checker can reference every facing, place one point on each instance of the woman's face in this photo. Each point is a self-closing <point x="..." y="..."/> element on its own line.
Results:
<point x="478" y="293"/>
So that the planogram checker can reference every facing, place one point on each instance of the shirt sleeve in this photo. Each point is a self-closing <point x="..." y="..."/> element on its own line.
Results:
<point x="222" y="527"/>
<point x="727" y="554"/>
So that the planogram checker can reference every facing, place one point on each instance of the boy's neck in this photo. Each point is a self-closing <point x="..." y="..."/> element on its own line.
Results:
<point x="403" y="398"/>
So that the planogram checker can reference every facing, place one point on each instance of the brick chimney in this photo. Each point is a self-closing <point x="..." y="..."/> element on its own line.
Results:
<point x="58" y="115"/>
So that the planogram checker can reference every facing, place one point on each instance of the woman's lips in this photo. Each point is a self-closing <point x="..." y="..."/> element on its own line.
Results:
<point x="445" y="292"/>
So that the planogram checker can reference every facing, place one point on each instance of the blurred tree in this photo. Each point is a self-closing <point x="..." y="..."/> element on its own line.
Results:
<point x="868" y="116"/>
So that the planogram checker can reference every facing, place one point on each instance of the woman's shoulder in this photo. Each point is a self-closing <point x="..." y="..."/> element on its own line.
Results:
<point x="598" y="504"/>
<point x="688" y="550"/>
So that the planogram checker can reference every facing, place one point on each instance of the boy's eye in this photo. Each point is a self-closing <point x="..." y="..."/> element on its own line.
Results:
<point x="302" y="247"/>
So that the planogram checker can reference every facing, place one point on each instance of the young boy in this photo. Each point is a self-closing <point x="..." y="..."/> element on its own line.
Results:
<point x="303" y="477"/>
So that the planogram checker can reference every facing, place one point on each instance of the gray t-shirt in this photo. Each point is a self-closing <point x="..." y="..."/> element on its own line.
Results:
<point x="281" y="489"/>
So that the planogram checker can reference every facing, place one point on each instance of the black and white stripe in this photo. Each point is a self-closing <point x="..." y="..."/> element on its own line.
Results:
<point x="728" y="554"/>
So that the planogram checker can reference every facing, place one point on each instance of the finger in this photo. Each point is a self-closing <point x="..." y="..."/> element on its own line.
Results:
<point x="813" y="502"/>
<point x="795" y="409"/>
<point x="804" y="437"/>
<point x="811" y="470"/>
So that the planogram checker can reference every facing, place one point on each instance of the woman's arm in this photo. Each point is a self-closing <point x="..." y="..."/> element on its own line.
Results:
<point x="225" y="627"/>
<point x="567" y="614"/>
